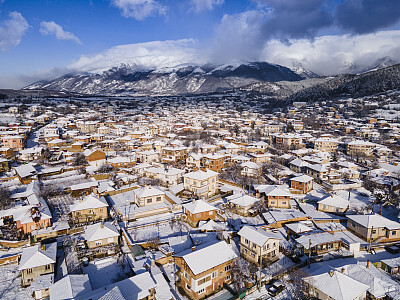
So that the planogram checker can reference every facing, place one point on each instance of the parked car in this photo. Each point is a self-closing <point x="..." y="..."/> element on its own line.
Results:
<point x="275" y="289"/>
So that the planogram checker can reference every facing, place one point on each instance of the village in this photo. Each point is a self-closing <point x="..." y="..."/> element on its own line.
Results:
<point x="220" y="196"/>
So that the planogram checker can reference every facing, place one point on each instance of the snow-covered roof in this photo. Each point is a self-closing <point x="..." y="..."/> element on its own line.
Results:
<point x="25" y="170"/>
<point x="198" y="206"/>
<point x="273" y="190"/>
<point x="148" y="191"/>
<point x="201" y="175"/>
<point x="337" y="285"/>
<point x="242" y="200"/>
<point x="375" y="220"/>
<point x="70" y="286"/>
<point x="34" y="256"/>
<point x="258" y="237"/>
<point x="90" y="201"/>
<point x="316" y="239"/>
<point x="302" y="178"/>
<point x="335" y="201"/>
<point x="208" y="257"/>
<point x="100" y="231"/>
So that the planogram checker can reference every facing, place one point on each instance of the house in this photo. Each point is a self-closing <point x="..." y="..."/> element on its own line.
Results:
<point x="318" y="243"/>
<point x="70" y="287"/>
<point x="260" y="158"/>
<point x="214" y="162"/>
<point x="174" y="154"/>
<point x="199" y="211"/>
<point x="204" y="271"/>
<point x="250" y="169"/>
<point x="193" y="160"/>
<point x="36" y="261"/>
<point x="333" y="204"/>
<point x="95" y="157"/>
<point x="3" y="164"/>
<point x="148" y="195"/>
<point x="277" y="196"/>
<point x="41" y="286"/>
<point x="242" y="204"/>
<point x="148" y="156"/>
<point x="374" y="227"/>
<point x="168" y="176"/>
<point x="15" y="142"/>
<point x="7" y="152"/>
<point x="257" y="246"/>
<point x="361" y="148"/>
<point x="332" y="284"/>
<point x="302" y="183"/>
<point x="202" y="184"/>
<point x="89" y="209"/>
<point x="318" y="171"/>
<point x="326" y="144"/>
<point x="101" y="234"/>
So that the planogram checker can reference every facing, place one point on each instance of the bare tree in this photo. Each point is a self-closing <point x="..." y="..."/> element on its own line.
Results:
<point x="242" y="272"/>
<point x="5" y="198"/>
<point x="79" y="159"/>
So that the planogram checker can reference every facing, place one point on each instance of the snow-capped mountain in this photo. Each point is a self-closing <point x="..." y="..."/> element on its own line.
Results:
<point x="183" y="79"/>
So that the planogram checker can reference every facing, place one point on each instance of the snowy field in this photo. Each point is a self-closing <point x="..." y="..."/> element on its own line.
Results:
<point x="10" y="281"/>
<point x="103" y="272"/>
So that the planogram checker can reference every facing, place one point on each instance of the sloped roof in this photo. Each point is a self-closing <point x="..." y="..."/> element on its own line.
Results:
<point x="198" y="206"/>
<point x="88" y="202"/>
<point x="242" y="200"/>
<point x="209" y="257"/>
<point x="335" y="201"/>
<point x="148" y="191"/>
<point x="201" y="175"/>
<point x="35" y="257"/>
<point x="375" y="220"/>
<point x="100" y="231"/>
<point x="338" y="286"/>
<point x="258" y="237"/>
<point x="70" y="286"/>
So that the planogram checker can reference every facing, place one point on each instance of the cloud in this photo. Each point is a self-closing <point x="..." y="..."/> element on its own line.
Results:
<point x="202" y="5"/>
<point x="52" y="28"/>
<point x="139" y="9"/>
<point x="331" y="55"/>
<point x="149" y="55"/>
<point x="12" y="30"/>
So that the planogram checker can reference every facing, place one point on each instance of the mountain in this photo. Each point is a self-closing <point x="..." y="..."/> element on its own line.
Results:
<point x="358" y="85"/>
<point x="169" y="81"/>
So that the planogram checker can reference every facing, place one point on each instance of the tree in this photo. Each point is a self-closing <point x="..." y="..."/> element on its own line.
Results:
<point x="242" y="272"/>
<point x="296" y="285"/>
<point x="236" y="129"/>
<point x="5" y="198"/>
<point x="105" y="168"/>
<point x="79" y="159"/>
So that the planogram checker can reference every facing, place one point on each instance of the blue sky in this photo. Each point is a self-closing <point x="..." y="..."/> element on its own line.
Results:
<point x="46" y="38"/>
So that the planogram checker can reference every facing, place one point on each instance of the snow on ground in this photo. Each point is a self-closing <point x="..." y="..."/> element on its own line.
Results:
<point x="10" y="284"/>
<point x="103" y="272"/>
<point x="357" y="201"/>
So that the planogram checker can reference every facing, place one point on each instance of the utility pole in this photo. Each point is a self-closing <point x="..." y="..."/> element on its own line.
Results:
<point x="309" y="253"/>
<point x="370" y="240"/>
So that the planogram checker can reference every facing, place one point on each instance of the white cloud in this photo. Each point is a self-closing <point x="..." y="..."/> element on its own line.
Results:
<point x="12" y="30"/>
<point x="52" y="28"/>
<point x="330" y="55"/>
<point x="202" y="5"/>
<point x="139" y="9"/>
<point x="156" y="54"/>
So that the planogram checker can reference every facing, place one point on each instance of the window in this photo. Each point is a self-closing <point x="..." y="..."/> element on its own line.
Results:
<point x="393" y="232"/>
<point x="202" y="291"/>
<point x="149" y="200"/>
<point x="187" y="286"/>
<point x="246" y="241"/>
<point x="268" y="246"/>
<point x="283" y="202"/>
<point x="373" y="231"/>
<point x="47" y="267"/>
<point x="228" y="277"/>
<point x="158" y="199"/>
<point x="28" y="271"/>
<point x="186" y="275"/>
<point x="214" y="274"/>
<point x="197" y="215"/>
<point x="211" y="213"/>
<point x="272" y="202"/>
<point x="98" y="243"/>
<point x="201" y="281"/>
<point x="254" y="246"/>
<point x="227" y="268"/>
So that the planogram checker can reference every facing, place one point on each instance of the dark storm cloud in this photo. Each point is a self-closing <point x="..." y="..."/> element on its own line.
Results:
<point x="294" y="18"/>
<point x="365" y="16"/>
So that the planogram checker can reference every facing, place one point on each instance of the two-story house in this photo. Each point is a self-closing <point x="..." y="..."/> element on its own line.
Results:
<point x="90" y="208"/>
<point x="258" y="246"/>
<point x="203" y="184"/>
<point x="36" y="261"/>
<point x="199" y="211"/>
<point x="205" y="270"/>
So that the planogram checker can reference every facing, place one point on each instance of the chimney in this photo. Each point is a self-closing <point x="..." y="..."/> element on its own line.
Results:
<point x="331" y="272"/>
<point x="101" y="225"/>
<point x="80" y="200"/>
<point x="193" y="201"/>
<point x="43" y="247"/>
<point x="342" y="270"/>
<point x="194" y="248"/>
<point x="367" y="264"/>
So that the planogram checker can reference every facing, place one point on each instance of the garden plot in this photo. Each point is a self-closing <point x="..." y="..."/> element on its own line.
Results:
<point x="10" y="284"/>
<point x="106" y="271"/>
<point x="60" y="206"/>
